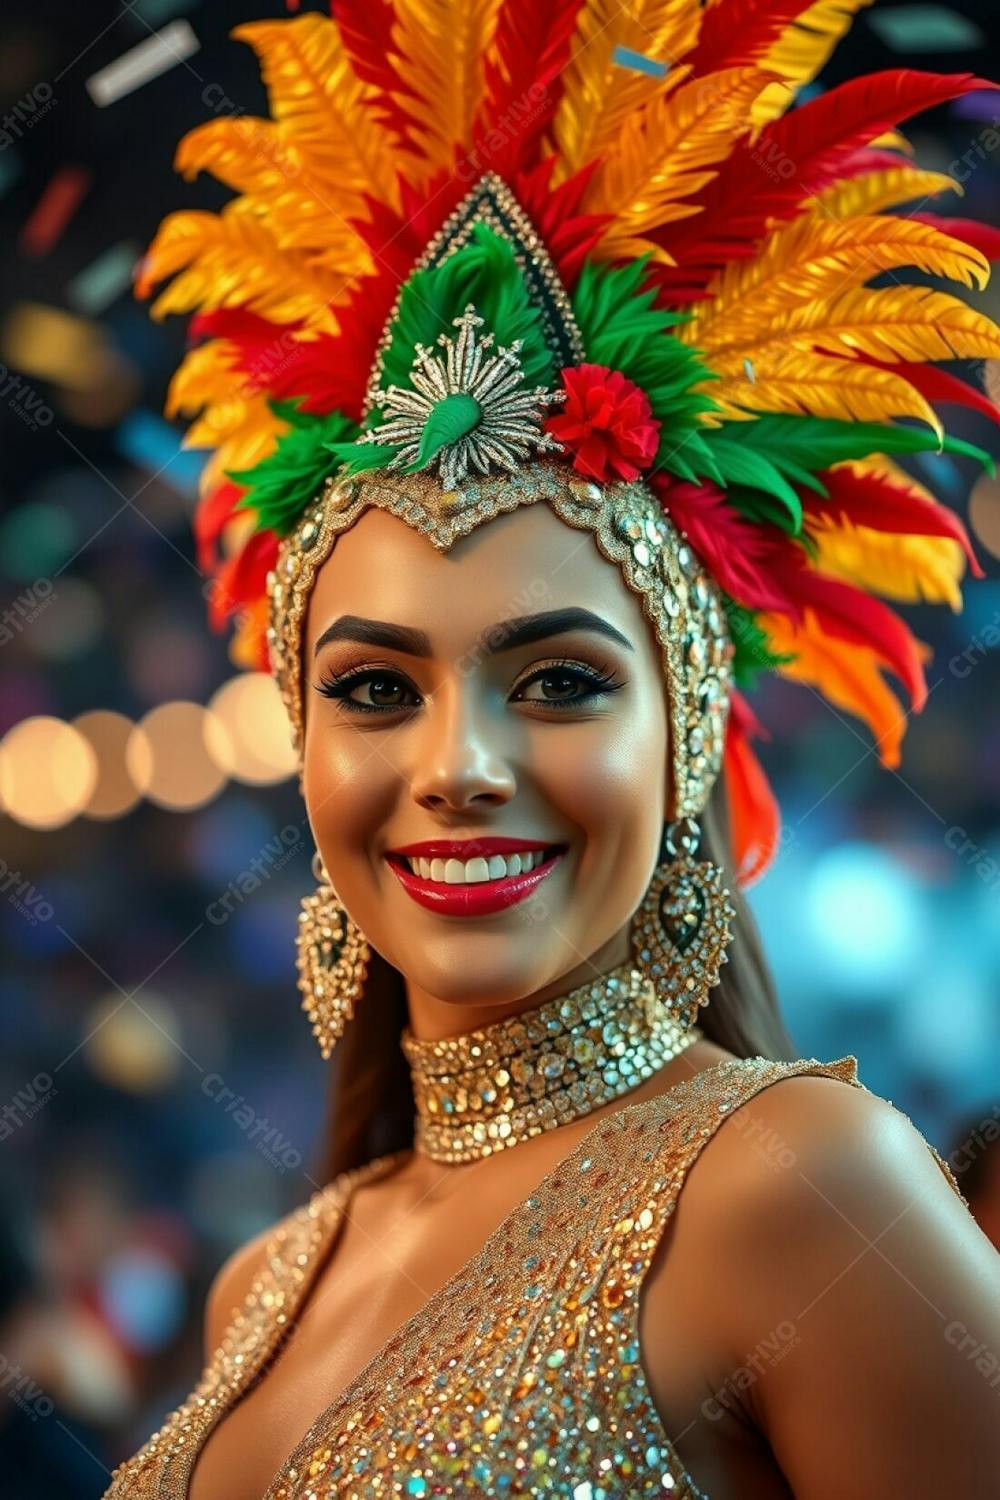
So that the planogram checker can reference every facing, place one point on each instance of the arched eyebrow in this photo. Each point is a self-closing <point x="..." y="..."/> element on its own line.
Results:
<point x="522" y="630"/>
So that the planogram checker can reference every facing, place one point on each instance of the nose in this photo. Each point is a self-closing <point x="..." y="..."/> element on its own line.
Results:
<point x="460" y="760"/>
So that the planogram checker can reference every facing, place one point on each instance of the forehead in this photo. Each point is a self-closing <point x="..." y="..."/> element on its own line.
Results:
<point x="523" y="562"/>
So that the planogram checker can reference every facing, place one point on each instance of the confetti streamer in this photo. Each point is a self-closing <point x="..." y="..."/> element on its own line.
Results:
<point x="626" y="58"/>
<point x="926" y="28"/>
<point x="979" y="104"/>
<point x="152" y="444"/>
<point x="96" y="287"/>
<point x="156" y="55"/>
<point x="54" y="209"/>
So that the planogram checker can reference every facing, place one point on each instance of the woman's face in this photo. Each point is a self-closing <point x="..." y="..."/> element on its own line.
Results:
<point x="474" y="731"/>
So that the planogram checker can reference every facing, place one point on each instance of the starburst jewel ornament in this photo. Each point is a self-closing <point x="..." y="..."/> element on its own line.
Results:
<point x="468" y="408"/>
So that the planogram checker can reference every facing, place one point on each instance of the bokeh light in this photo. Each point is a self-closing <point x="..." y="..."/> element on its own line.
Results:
<point x="48" y="772"/>
<point x="984" y="514"/>
<point x="114" y="791"/>
<point x="133" y="1044"/>
<point x="865" y="919"/>
<point x="250" y="709"/>
<point x="177" y="755"/>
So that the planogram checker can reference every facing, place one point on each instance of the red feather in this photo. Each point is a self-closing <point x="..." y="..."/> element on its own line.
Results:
<point x="850" y="614"/>
<point x="810" y="147"/>
<point x="982" y="237"/>
<point x="325" y="374"/>
<point x="569" y="235"/>
<point x="522" y="82"/>
<point x="765" y="569"/>
<point x="210" y="516"/>
<point x="366" y="29"/>
<point x="701" y="254"/>
<point x="737" y="552"/>
<point x="736" y="32"/>
<point x="939" y="385"/>
<point x="754" y="815"/>
<point x="870" y="500"/>
<point x="242" y="578"/>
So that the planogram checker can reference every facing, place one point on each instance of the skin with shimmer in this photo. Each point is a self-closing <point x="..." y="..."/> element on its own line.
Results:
<point x="860" y="1247"/>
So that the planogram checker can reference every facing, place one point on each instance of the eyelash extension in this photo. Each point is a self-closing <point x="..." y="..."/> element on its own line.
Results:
<point x="599" y="684"/>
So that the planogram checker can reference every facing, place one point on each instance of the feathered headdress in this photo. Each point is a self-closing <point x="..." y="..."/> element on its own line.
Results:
<point x="477" y="235"/>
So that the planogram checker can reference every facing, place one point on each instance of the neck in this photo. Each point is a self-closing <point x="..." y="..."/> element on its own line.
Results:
<point x="489" y="1088"/>
<point x="432" y="1019"/>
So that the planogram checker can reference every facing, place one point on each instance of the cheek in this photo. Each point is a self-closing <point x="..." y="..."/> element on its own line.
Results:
<point x="611" y="787"/>
<point x="346" y="790"/>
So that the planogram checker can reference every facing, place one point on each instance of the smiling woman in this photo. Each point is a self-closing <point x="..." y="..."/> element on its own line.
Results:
<point x="513" y="532"/>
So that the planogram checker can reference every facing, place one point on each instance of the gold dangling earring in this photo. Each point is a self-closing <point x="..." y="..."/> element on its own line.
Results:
<point x="332" y="956"/>
<point x="681" y="930"/>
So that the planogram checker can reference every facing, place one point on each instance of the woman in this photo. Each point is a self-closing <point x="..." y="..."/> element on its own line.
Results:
<point x="589" y="1231"/>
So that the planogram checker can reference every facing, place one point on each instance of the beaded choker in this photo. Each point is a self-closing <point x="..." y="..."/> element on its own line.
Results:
<point x="489" y="1089"/>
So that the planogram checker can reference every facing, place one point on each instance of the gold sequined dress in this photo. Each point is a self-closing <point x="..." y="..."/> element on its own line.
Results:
<point x="522" y="1375"/>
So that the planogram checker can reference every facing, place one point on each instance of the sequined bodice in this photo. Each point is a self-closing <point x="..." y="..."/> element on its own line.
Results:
<point x="522" y="1374"/>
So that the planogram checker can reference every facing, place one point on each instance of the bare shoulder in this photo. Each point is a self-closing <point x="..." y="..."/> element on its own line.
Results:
<point x="852" y="1283"/>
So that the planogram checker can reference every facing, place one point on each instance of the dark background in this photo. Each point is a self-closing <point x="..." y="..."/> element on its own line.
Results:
<point x="124" y="1181"/>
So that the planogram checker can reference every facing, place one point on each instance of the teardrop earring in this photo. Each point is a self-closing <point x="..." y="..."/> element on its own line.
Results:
<point x="680" y="931"/>
<point x="332" y="957"/>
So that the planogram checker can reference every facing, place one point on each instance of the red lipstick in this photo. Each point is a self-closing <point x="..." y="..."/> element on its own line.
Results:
<point x="480" y="897"/>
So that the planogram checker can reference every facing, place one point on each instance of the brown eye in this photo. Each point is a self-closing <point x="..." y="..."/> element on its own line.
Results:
<point x="567" y="685"/>
<point x="386" y="691"/>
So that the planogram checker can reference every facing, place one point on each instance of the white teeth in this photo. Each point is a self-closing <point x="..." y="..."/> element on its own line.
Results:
<point x="472" y="871"/>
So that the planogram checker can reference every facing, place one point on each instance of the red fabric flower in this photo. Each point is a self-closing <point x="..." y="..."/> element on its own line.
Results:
<point x="606" y="423"/>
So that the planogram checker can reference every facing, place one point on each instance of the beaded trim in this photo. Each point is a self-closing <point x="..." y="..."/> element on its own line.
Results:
<point x="491" y="202"/>
<point x="488" y="1089"/>
<point x="630" y="528"/>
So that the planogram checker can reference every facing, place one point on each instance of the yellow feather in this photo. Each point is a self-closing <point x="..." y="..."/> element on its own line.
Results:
<point x="895" y="323"/>
<point x="315" y="95"/>
<point x="845" y="672"/>
<point x="244" y="447"/>
<point x="233" y="260"/>
<point x="204" y="374"/>
<point x="303" y="211"/>
<point x="874" y="191"/>
<point x="667" y="151"/>
<point x="599" y="95"/>
<point x="251" y="629"/>
<point x="799" y="381"/>
<point x="906" y="567"/>
<point x="893" y="140"/>
<point x="800" y="266"/>
<point x="800" y="52"/>
<point x="439" y="48"/>
<point x="248" y="154"/>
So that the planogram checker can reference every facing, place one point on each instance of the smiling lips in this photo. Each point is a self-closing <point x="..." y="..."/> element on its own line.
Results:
<point x="472" y="877"/>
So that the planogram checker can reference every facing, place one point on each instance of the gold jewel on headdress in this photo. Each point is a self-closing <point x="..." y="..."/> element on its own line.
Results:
<point x="501" y="1084"/>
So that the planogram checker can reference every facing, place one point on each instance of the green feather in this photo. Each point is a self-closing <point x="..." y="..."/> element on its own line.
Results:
<point x="811" y="444"/>
<point x="281" y="486"/>
<point x="484" y="272"/>
<point x="751" y="653"/>
<point x="741" y="464"/>
<point x="622" y="330"/>
<point x="359" y="457"/>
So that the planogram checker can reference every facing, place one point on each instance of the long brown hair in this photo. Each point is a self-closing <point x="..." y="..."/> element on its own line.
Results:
<point x="370" y="1105"/>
